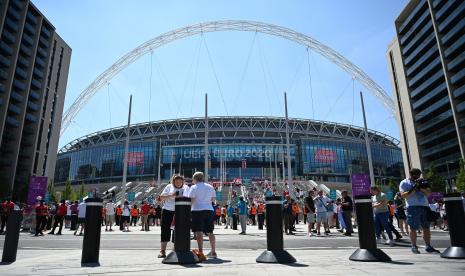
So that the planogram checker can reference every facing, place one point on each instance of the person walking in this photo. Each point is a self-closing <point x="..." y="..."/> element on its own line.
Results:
<point x="287" y="216"/>
<point x="242" y="208"/>
<point x="144" y="216"/>
<point x="126" y="216"/>
<point x="400" y="214"/>
<point x="60" y="214"/>
<point x="41" y="214"/>
<point x="381" y="213"/>
<point x="321" y="204"/>
<point x="229" y="216"/>
<point x="168" y="196"/>
<point x="203" y="195"/>
<point x="134" y="215"/>
<point x="347" y="208"/>
<point x="74" y="215"/>
<point x="416" y="192"/>
<point x="110" y="215"/>
<point x="261" y="215"/>
<point x="81" y="218"/>
<point x="310" y="205"/>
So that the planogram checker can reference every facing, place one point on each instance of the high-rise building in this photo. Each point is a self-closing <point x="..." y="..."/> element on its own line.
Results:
<point x="34" y="63"/>
<point x="427" y="65"/>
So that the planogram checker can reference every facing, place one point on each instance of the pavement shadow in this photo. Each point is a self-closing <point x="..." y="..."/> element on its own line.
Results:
<point x="216" y="261"/>
<point x="6" y="263"/>
<point x="400" y="263"/>
<point x="296" y="265"/>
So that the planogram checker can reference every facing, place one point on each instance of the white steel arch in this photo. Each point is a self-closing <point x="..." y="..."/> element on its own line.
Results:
<point x="226" y="25"/>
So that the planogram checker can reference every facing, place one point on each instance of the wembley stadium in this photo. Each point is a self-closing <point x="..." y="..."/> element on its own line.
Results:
<point x="248" y="148"/>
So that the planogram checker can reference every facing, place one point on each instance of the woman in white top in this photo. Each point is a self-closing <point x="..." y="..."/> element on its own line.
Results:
<point x="171" y="191"/>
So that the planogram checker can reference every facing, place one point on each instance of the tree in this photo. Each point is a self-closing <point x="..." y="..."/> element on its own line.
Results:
<point x="460" y="182"/>
<point x="437" y="182"/>
<point x="51" y="190"/>
<point x="68" y="191"/>
<point x="82" y="192"/>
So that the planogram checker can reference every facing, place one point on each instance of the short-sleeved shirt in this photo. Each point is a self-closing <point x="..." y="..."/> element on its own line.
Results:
<point x="320" y="203"/>
<point x="202" y="195"/>
<point x="377" y="199"/>
<point x="242" y="207"/>
<point x="110" y="208"/>
<point x="417" y="198"/>
<point x="230" y="211"/>
<point x="171" y="189"/>
<point x="126" y="211"/>
<point x="82" y="210"/>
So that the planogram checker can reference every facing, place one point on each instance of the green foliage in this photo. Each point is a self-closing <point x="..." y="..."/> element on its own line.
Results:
<point x="437" y="182"/>
<point x="460" y="181"/>
<point x="51" y="190"/>
<point x="68" y="191"/>
<point x="393" y="186"/>
<point x="82" y="192"/>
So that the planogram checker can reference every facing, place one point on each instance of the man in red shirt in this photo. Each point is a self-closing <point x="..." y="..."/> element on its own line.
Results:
<point x="7" y="207"/>
<point x="60" y="214"/>
<point x="41" y="217"/>
<point x="144" y="214"/>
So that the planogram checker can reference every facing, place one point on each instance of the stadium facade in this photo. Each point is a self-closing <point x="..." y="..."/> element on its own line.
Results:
<point x="252" y="147"/>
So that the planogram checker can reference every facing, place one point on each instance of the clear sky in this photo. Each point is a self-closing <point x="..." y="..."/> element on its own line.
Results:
<point x="250" y="70"/>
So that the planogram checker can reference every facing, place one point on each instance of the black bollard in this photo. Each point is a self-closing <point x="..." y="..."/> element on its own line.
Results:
<point x="456" y="222"/>
<point x="92" y="228"/>
<point x="10" y="246"/>
<point x="182" y="253"/>
<point x="275" y="252"/>
<point x="234" y="220"/>
<point x="368" y="251"/>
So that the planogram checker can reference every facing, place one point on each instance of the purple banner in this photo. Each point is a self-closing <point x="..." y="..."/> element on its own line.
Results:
<point x="435" y="195"/>
<point x="360" y="184"/>
<point x="37" y="187"/>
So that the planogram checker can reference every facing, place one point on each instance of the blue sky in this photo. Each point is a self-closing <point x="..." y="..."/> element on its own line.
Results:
<point x="250" y="70"/>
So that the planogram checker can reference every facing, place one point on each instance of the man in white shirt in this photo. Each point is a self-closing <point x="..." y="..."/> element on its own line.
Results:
<point x="81" y="217"/>
<point x="110" y="216"/>
<point x="322" y="203"/>
<point x="202" y="195"/>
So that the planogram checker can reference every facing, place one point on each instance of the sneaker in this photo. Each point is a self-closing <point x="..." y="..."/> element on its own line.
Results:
<point x="415" y="250"/>
<point x="347" y="234"/>
<point x="379" y="240"/>
<point x="384" y="236"/>
<point x="212" y="255"/>
<point x="389" y="242"/>
<point x="431" y="249"/>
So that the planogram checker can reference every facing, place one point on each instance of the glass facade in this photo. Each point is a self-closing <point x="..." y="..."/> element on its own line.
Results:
<point x="319" y="159"/>
<point x="104" y="163"/>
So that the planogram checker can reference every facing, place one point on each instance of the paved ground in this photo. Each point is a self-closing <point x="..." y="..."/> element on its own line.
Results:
<point x="134" y="253"/>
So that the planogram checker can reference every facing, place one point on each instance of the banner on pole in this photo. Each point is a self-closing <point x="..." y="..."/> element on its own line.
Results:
<point x="37" y="187"/>
<point x="360" y="184"/>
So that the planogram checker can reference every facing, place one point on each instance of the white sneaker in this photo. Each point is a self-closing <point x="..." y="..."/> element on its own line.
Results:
<point x="389" y="242"/>
<point x="379" y="240"/>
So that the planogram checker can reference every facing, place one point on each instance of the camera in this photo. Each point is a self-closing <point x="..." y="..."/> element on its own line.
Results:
<point x="421" y="184"/>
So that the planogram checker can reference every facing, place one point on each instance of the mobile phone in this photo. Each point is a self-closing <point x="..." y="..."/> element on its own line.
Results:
<point x="177" y="193"/>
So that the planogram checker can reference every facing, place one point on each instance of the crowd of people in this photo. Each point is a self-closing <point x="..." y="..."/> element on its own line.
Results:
<point x="410" y="208"/>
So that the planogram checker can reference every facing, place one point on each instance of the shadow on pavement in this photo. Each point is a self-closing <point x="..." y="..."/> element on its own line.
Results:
<point x="6" y="263"/>
<point x="216" y="261"/>
<point x="400" y="263"/>
<point x="296" y="265"/>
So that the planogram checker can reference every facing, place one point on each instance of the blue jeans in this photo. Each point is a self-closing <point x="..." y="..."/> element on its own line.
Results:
<point x="382" y="222"/>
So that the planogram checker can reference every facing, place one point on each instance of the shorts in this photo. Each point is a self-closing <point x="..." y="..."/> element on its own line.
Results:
<point x="417" y="217"/>
<point x="81" y="220"/>
<point x="311" y="217"/>
<point x="401" y="213"/>
<point x="125" y="219"/>
<point x="321" y="217"/>
<point x="110" y="219"/>
<point x="202" y="221"/>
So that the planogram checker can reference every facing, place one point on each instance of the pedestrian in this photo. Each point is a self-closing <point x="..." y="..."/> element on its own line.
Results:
<point x="158" y="211"/>
<point x="62" y="209"/>
<point x="51" y="214"/>
<point x="287" y="215"/>
<point x="134" y="215"/>
<point x="400" y="214"/>
<point x="381" y="212"/>
<point x="202" y="195"/>
<point x="261" y="215"/>
<point x="229" y="217"/>
<point x="144" y="216"/>
<point x="168" y="196"/>
<point x="118" y="216"/>
<point x="253" y="214"/>
<point x="81" y="218"/>
<point x="347" y="209"/>
<point x="68" y="215"/>
<point x="310" y="205"/>
<point x="242" y="208"/>
<point x="416" y="191"/>
<point x="152" y="215"/>
<point x="125" y="218"/>
<point x="74" y="215"/>
<point x="41" y="214"/>
<point x="7" y="207"/>
<point x="322" y="202"/>
<point x="110" y="216"/>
